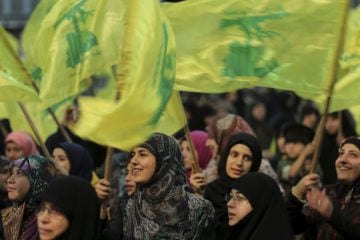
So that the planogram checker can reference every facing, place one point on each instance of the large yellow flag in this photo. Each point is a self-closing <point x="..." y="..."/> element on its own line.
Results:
<point x="146" y="71"/>
<point x="227" y="45"/>
<point x="69" y="41"/>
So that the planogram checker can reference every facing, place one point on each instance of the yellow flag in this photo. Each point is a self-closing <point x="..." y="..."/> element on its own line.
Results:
<point x="69" y="41"/>
<point x="345" y="93"/>
<point x="14" y="90"/>
<point x="146" y="71"/>
<point x="10" y="60"/>
<point x="227" y="45"/>
<point x="44" y="123"/>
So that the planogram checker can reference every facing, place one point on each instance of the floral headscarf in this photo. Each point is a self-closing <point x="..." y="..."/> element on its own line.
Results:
<point x="163" y="208"/>
<point x="223" y="128"/>
<point x="19" y="221"/>
<point x="40" y="172"/>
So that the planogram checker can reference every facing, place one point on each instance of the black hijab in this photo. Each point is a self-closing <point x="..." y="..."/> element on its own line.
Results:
<point x="269" y="218"/>
<point x="215" y="191"/>
<point x="76" y="198"/>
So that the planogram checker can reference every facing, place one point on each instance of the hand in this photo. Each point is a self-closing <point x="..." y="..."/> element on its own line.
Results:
<point x="71" y="116"/>
<point x="320" y="202"/>
<point x="305" y="184"/>
<point x="103" y="189"/>
<point x="197" y="181"/>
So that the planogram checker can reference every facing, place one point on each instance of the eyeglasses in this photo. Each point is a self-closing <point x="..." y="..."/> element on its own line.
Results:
<point x="52" y="210"/>
<point x="236" y="198"/>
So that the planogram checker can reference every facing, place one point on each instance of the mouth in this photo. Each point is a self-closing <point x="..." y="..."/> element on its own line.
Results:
<point x="136" y="171"/>
<point x="237" y="172"/>
<point x="129" y="188"/>
<point x="231" y="215"/>
<point x="343" y="168"/>
<point x="43" y="231"/>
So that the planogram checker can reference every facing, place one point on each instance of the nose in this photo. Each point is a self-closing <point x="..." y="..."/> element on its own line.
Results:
<point x="240" y="161"/>
<point x="230" y="203"/>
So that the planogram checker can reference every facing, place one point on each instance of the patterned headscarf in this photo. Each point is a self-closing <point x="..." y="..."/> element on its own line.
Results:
<point x="81" y="163"/>
<point x="163" y="208"/>
<point x="24" y="141"/>
<point x="40" y="172"/>
<point x="223" y="128"/>
<point x="19" y="221"/>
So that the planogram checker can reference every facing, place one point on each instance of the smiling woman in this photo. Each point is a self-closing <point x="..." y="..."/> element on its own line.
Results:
<point x="338" y="205"/>
<point x="162" y="207"/>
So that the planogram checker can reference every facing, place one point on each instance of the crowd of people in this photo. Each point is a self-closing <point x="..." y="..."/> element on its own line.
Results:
<point x="225" y="182"/>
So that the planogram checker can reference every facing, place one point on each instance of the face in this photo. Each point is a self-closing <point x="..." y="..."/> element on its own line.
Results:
<point x="238" y="207"/>
<point x="186" y="152"/>
<point x="129" y="180"/>
<point x="4" y="175"/>
<point x="310" y="120"/>
<point x="281" y="143"/>
<point x="18" y="185"/>
<point x="259" y="112"/>
<point x="61" y="158"/>
<point x="214" y="147"/>
<point x="332" y="125"/>
<point x="238" y="161"/>
<point x="13" y="151"/>
<point x="293" y="149"/>
<point x="51" y="221"/>
<point x="144" y="164"/>
<point x="348" y="163"/>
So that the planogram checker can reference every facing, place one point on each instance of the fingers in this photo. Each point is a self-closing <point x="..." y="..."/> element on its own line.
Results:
<point x="103" y="189"/>
<point x="197" y="180"/>
<point x="320" y="202"/>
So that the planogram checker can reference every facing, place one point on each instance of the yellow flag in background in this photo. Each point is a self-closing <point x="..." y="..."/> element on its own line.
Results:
<point x="146" y="72"/>
<point x="227" y="45"/>
<point x="9" y="58"/>
<point x="43" y="121"/>
<point x="13" y="90"/>
<point x="69" y="41"/>
<point x="347" y="85"/>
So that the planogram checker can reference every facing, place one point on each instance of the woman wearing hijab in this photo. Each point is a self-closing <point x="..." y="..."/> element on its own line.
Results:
<point x="162" y="207"/>
<point x="19" y="144"/>
<point x="257" y="210"/>
<point x="75" y="159"/>
<point x="219" y="133"/>
<point x="242" y="155"/>
<point x="202" y="151"/>
<point x="69" y="210"/>
<point x="333" y="213"/>
<point x="29" y="176"/>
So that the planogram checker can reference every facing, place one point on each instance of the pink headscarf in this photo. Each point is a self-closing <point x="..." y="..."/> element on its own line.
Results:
<point x="24" y="141"/>
<point x="204" y="154"/>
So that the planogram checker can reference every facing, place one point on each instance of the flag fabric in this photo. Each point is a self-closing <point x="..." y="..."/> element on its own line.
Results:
<point x="10" y="61"/>
<point x="146" y="73"/>
<point x="13" y="90"/>
<point x="69" y="41"/>
<point x="227" y="45"/>
<point x="43" y="121"/>
<point x="347" y="84"/>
